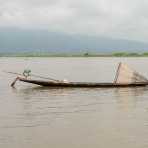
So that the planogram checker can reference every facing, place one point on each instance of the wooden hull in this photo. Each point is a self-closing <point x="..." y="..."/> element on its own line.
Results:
<point x="80" y="84"/>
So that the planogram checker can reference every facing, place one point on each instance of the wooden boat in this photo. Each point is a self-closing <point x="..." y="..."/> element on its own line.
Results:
<point x="80" y="84"/>
<point x="125" y="77"/>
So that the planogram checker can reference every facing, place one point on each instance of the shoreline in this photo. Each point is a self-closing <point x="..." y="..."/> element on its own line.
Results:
<point x="85" y="55"/>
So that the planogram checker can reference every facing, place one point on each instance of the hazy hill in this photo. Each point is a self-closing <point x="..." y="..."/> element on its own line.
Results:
<point x="28" y="40"/>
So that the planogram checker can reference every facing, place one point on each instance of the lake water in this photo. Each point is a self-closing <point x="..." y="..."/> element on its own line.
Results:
<point x="36" y="117"/>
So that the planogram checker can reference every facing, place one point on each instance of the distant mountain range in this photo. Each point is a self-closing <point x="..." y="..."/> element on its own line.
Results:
<point x="15" y="40"/>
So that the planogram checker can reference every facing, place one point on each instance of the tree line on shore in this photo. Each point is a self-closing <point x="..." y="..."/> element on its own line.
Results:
<point x="82" y="54"/>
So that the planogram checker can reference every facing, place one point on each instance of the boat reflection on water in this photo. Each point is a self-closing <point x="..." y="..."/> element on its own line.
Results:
<point x="127" y="98"/>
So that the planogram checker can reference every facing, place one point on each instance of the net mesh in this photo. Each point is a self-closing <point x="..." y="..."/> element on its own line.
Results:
<point x="127" y="75"/>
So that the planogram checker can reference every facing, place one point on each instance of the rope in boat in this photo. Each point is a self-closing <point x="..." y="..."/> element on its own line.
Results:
<point x="27" y="73"/>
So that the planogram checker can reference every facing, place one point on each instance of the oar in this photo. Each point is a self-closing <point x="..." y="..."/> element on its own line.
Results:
<point x="13" y="83"/>
<point x="33" y="75"/>
<point x="14" y="73"/>
<point x="37" y="76"/>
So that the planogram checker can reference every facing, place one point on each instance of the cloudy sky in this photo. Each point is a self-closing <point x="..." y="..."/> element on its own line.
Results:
<point x="124" y="19"/>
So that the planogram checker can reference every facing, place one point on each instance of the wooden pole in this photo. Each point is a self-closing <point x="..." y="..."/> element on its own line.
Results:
<point x="15" y="80"/>
<point x="117" y="73"/>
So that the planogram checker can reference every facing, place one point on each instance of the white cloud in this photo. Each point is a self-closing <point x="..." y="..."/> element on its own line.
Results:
<point x="126" y="19"/>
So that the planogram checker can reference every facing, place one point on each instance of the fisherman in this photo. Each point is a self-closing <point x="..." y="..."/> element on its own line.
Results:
<point x="27" y="73"/>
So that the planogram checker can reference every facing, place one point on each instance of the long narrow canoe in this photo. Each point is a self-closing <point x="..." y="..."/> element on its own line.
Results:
<point x="125" y="77"/>
<point x="80" y="84"/>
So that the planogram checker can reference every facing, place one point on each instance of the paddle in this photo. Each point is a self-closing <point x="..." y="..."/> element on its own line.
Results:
<point x="33" y="75"/>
